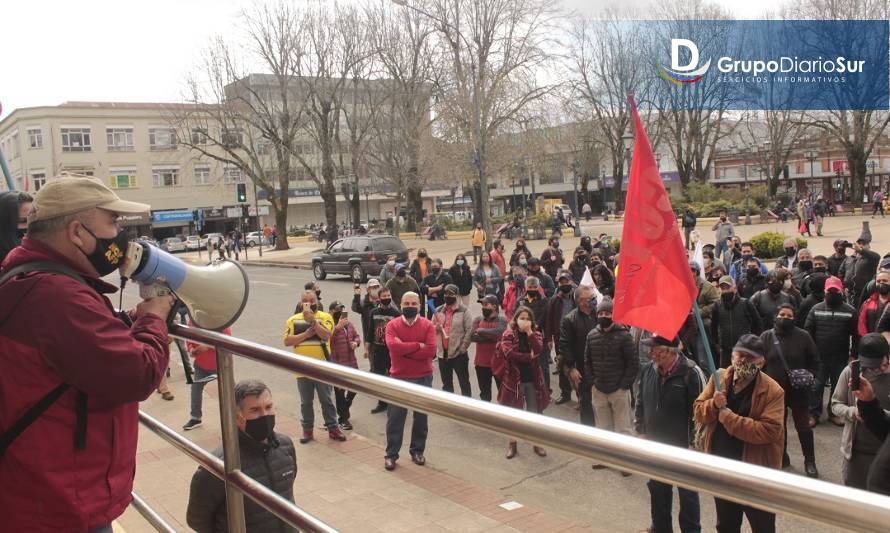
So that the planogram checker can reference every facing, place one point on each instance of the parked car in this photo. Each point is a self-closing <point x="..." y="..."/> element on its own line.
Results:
<point x="193" y="242"/>
<point x="212" y="237"/>
<point x="358" y="256"/>
<point x="173" y="245"/>
<point x="149" y="240"/>
<point x="254" y="238"/>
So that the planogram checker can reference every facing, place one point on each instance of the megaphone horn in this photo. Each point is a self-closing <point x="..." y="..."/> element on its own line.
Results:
<point x="215" y="294"/>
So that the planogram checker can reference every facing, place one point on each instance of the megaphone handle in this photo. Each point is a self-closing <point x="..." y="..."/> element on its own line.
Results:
<point x="186" y="366"/>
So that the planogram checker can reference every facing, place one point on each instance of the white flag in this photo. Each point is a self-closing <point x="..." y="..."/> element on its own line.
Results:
<point x="587" y="281"/>
<point x="699" y="257"/>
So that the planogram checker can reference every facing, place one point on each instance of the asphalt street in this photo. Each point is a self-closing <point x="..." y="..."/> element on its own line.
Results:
<point x="560" y="483"/>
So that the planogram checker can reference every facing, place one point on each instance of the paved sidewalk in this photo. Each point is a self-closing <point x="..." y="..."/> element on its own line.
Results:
<point x="342" y="483"/>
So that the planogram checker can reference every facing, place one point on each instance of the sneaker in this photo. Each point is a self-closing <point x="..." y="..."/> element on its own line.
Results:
<point x="379" y="409"/>
<point x="562" y="399"/>
<point x="811" y="470"/>
<point x="192" y="424"/>
<point x="307" y="436"/>
<point x="346" y="426"/>
<point x="336" y="434"/>
<point x="836" y="420"/>
<point x="167" y="395"/>
<point x="389" y="463"/>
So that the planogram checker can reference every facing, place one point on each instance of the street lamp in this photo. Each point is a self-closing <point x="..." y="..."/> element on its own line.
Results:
<point x="743" y="153"/>
<point x="811" y="156"/>
<point x="627" y="140"/>
<point x="477" y="115"/>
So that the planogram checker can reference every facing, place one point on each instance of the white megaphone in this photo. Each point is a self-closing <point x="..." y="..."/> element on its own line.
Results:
<point x="215" y="295"/>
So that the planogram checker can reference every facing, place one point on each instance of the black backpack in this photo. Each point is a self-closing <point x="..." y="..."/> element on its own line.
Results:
<point x="34" y="412"/>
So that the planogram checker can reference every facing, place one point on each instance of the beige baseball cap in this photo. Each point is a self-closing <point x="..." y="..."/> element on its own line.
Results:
<point x="68" y="194"/>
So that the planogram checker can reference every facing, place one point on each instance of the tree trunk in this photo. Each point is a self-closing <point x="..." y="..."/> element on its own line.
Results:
<point x="329" y="197"/>
<point x="414" y="205"/>
<point x="858" y="171"/>
<point x="281" y="222"/>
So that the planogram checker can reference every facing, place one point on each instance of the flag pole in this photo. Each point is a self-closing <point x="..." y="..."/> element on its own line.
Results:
<point x="707" y="345"/>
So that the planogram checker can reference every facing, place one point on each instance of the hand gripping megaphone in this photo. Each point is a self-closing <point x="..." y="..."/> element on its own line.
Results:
<point x="215" y="295"/>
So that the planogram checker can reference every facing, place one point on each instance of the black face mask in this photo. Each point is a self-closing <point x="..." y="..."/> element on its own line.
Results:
<point x="534" y="270"/>
<point x="450" y="300"/>
<point x="775" y="288"/>
<point x="410" y="312"/>
<point x="806" y="265"/>
<point x="318" y="293"/>
<point x="555" y="244"/>
<point x="784" y="324"/>
<point x="565" y="289"/>
<point x="834" y="299"/>
<point x="261" y="428"/>
<point x="487" y="312"/>
<point x="400" y="273"/>
<point x="435" y="271"/>
<point x="823" y="270"/>
<point x="883" y="290"/>
<point x="604" y="321"/>
<point x="753" y="272"/>
<point x="313" y="308"/>
<point x="385" y="302"/>
<point x="532" y="294"/>
<point x="790" y="252"/>
<point x="581" y="258"/>
<point x="336" y="316"/>
<point x="727" y="297"/>
<point x="109" y="253"/>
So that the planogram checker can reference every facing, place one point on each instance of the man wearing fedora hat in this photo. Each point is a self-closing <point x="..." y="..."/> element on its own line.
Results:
<point x="70" y="366"/>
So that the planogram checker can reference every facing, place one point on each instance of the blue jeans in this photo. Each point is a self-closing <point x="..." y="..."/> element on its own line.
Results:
<point x="661" y="496"/>
<point x="308" y="389"/>
<point x="198" y="390"/>
<point x="395" y="425"/>
<point x="719" y="248"/>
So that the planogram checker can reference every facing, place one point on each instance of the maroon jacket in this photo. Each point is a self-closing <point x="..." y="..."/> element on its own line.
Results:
<point x="54" y="329"/>
<point x="510" y="391"/>
<point x="341" y="351"/>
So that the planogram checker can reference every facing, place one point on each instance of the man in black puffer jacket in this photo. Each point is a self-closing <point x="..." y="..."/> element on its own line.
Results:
<point x="611" y="365"/>
<point x="731" y="318"/>
<point x="834" y="326"/>
<point x="266" y="456"/>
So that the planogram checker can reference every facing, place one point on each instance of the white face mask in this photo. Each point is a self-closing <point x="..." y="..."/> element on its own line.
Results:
<point x="459" y="262"/>
<point x="523" y="323"/>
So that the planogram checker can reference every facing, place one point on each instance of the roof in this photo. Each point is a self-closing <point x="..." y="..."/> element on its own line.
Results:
<point x="125" y="105"/>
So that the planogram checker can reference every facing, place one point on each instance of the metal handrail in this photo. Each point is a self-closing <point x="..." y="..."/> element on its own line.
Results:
<point x="150" y="515"/>
<point x="763" y="488"/>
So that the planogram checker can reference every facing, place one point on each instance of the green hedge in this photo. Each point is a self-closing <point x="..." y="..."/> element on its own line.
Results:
<point x="706" y="200"/>
<point x="769" y="244"/>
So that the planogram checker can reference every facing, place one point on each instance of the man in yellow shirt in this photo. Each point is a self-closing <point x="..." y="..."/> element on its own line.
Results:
<point x="478" y="241"/>
<point x="309" y="333"/>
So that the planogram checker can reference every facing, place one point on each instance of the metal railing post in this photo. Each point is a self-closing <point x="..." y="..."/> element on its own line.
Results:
<point x="231" y="451"/>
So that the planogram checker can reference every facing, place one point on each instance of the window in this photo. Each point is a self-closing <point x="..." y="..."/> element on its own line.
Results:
<point x="119" y="139"/>
<point x="35" y="138"/>
<point x="76" y="140"/>
<point x="38" y="179"/>
<point x="199" y="136"/>
<point x="165" y="177"/>
<point x="123" y="179"/>
<point x="231" y="138"/>
<point x="202" y="175"/>
<point x="80" y="171"/>
<point x="232" y="175"/>
<point x="162" y="138"/>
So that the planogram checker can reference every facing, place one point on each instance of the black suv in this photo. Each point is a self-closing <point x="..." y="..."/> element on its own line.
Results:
<point x="358" y="256"/>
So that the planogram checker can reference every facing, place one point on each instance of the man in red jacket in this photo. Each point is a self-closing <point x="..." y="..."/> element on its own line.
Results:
<point x="65" y="350"/>
<point x="411" y="340"/>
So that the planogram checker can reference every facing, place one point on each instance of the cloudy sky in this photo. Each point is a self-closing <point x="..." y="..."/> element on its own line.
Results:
<point x="136" y="50"/>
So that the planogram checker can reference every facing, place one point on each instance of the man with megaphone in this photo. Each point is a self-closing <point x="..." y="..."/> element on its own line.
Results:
<point x="72" y="370"/>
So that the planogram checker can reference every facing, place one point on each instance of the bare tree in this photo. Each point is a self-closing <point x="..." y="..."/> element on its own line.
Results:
<point x="232" y="121"/>
<point x="496" y="50"/>
<point x="856" y="131"/>
<point x="693" y="117"/>
<point x="404" y="43"/>
<point x="604" y="59"/>
<point x="333" y="43"/>
<point x="782" y="130"/>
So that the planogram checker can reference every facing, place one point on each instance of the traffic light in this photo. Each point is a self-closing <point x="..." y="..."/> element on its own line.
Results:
<point x="242" y="193"/>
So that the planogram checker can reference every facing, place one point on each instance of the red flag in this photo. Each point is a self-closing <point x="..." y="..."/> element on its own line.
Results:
<point x="655" y="289"/>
